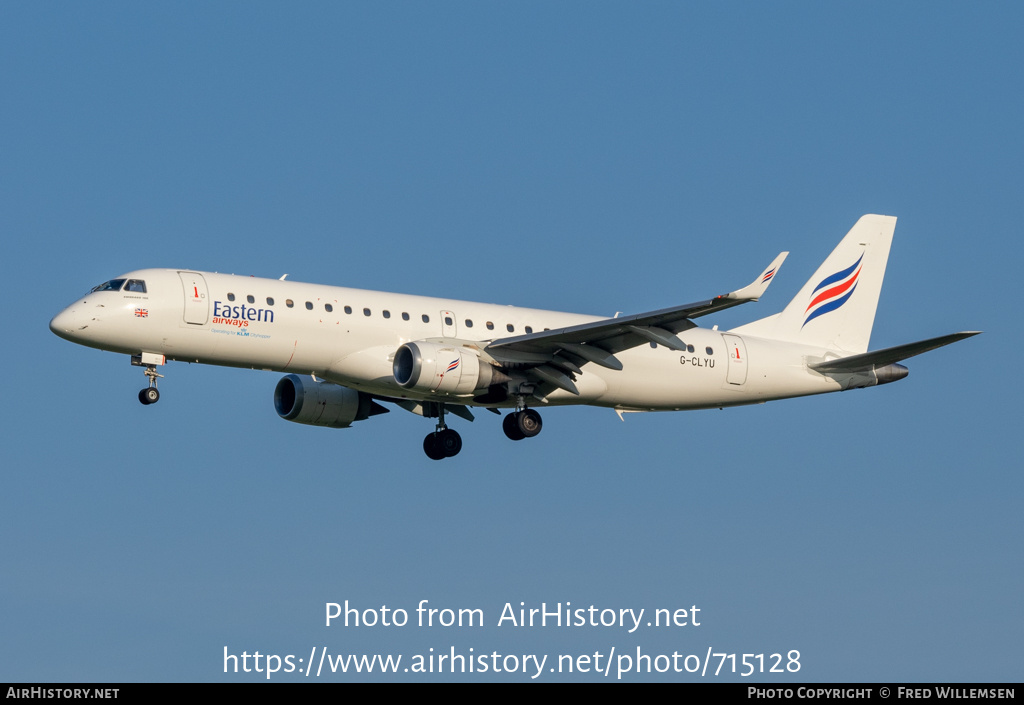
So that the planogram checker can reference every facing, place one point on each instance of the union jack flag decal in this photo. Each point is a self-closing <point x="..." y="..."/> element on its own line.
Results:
<point x="141" y="312"/>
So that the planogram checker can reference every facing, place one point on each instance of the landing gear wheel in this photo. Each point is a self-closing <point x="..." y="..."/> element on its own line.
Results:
<point x="149" y="395"/>
<point x="432" y="448"/>
<point x="450" y="442"/>
<point x="445" y="443"/>
<point x="510" y="425"/>
<point x="529" y="423"/>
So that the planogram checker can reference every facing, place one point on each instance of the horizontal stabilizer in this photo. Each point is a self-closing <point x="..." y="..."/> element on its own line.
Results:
<point x="880" y="358"/>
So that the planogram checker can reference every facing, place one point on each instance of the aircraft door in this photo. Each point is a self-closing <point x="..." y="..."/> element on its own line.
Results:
<point x="737" y="351"/>
<point x="197" y="302"/>
<point x="449" y="327"/>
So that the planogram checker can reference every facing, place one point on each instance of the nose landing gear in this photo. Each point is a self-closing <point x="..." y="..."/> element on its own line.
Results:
<point x="149" y="395"/>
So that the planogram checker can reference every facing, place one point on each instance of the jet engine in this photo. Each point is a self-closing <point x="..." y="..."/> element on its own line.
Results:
<point x="303" y="400"/>
<point x="433" y="367"/>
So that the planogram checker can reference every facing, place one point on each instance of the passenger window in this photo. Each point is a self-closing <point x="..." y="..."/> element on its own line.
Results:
<point x="426" y="318"/>
<point x="309" y="305"/>
<point x="447" y="320"/>
<point x="366" y="312"/>
<point x="510" y="328"/>
<point x="289" y="303"/>
<point x="136" y="285"/>
<point x="270" y="301"/>
<point x="689" y="348"/>
<point x="490" y="325"/>
<point x="348" y="309"/>
<point x="529" y="329"/>
<point x="709" y="351"/>
<point x="328" y="308"/>
<point x="251" y="299"/>
<point x="231" y="297"/>
<point x="386" y="313"/>
<point x="405" y="316"/>
<point x="469" y="323"/>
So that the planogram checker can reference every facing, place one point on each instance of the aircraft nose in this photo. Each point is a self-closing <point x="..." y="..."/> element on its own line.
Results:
<point x="64" y="323"/>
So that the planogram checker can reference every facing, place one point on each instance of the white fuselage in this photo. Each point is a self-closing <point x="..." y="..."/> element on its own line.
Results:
<point x="349" y="337"/>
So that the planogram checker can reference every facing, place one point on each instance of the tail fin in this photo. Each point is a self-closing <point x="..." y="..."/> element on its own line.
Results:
<point x="835" y="309"/>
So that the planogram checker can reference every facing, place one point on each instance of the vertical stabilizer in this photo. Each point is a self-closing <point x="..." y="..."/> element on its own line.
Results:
<point x="835" y="309"/>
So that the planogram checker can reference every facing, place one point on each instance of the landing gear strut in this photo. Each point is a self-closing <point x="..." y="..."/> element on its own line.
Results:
<point x="150" y="395"/>
<point x="444" y="442"/>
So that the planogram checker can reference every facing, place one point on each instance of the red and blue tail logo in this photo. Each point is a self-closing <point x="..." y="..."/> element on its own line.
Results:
<point x="768" y="275"/>
<point x="833" y="292"/>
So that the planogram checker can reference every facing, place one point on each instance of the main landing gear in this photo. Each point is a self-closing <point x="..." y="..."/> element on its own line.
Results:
<point x="525" y="423"/>
<point x="444" y="442"/>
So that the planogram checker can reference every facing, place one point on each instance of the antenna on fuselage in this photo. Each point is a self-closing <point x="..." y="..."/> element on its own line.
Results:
<point x="282" y="277"/>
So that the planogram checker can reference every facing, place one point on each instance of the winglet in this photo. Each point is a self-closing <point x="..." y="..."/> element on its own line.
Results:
<point x="754" y="290"/>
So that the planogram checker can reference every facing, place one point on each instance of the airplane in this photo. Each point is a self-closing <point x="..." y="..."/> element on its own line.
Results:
<point x="345" y="351"/>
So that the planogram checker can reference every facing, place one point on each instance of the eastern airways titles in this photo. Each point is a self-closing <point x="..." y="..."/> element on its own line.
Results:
<point x="241" y="313"/>
<point x="565" y="616"/>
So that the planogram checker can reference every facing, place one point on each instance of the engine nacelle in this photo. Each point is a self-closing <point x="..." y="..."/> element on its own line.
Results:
<point x="432" y="367"/>
<point x="302" y="400"/>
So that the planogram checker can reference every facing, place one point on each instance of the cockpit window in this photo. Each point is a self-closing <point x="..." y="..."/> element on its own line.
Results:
<point x="136" y="285"/>
<point x="112" y="285"/>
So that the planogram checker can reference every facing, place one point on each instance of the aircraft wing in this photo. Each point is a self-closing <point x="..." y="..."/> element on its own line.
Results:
<point x="887" y="356"/>
<point x="553" y="356"/>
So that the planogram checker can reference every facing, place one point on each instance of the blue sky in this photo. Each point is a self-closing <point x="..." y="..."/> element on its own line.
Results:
<point x="590" y="157"/>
